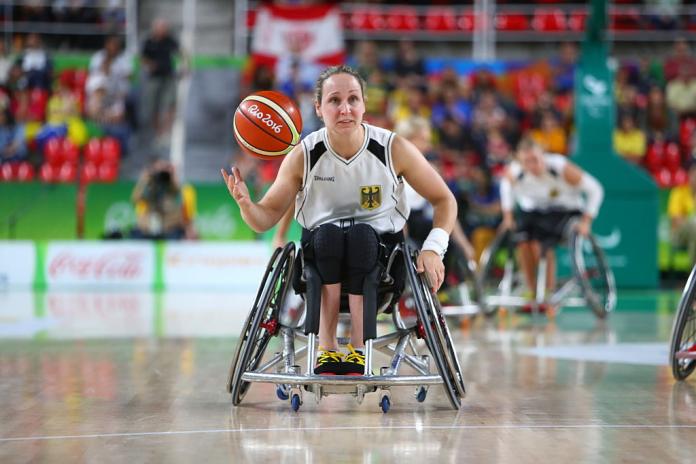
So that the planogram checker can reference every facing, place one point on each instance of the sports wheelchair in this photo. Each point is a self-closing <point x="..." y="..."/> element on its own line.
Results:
<point x="591" y="282"/>
<point x="276" y="313"/>
<point x="682" y="349"/>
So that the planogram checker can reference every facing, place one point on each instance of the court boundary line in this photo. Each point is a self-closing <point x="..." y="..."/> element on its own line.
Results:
<point x="349" y="428"/>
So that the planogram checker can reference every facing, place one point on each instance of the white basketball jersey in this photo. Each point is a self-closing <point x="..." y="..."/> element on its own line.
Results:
<point x="364" y="188"/>
<point x="549" y="191"/>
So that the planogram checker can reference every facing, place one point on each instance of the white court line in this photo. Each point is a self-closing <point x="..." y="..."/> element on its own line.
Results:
<point x="349" y="428"/>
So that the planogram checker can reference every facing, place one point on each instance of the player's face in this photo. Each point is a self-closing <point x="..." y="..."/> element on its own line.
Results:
<point x="342" y="105"/>
<point x="532" y="161"/>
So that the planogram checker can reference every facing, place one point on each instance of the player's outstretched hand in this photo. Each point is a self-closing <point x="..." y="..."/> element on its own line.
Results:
<point x="430" y="263"/>
<point x="236" y="186"/>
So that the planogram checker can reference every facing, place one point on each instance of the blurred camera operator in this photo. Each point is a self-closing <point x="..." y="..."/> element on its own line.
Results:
<point x="163" y="209"/>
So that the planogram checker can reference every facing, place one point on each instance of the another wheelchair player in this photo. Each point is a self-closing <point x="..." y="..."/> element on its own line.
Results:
<point x="548" y="192"/>
<point x="347" y="183"/>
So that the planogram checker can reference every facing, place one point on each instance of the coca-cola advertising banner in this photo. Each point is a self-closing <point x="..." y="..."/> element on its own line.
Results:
<point x="228" y="266"/>
<point x="100" y="264"/>
<point x="17" y="264"/>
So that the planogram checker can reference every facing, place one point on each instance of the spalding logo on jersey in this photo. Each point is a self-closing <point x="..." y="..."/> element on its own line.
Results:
<point x="370" y="196"/>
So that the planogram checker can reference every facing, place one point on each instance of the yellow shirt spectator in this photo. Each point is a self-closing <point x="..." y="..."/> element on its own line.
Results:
<point x="681" y="202"/>
<point x="630" y="144"/>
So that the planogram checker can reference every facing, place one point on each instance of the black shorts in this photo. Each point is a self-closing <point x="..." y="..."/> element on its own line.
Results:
<point x="548" y="227"/>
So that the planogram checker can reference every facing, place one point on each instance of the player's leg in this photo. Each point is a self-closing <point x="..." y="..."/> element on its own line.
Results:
<point x="362" y="253"/>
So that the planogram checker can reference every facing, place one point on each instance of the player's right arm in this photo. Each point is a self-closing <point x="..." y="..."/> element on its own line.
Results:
<point x="269" y="210"/>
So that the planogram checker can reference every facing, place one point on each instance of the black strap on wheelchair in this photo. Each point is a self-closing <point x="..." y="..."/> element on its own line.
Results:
<point x="370" y="303"/>
<point x="312" y="298"/>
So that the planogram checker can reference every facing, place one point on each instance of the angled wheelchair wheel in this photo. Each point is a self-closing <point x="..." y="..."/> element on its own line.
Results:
<point x="593" y="274"/>
<point x="436" y="332"/>
<point x="683" y="341"/>
<point x="263" y="322"/>
<point x="497" y="270"/>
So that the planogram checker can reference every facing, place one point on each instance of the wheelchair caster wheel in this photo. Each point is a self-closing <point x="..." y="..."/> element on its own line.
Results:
<point x="295" y="402"/>
<point x="282" y="392"/>
<point x="385" y="404"/>
<point x="421" y="394"/>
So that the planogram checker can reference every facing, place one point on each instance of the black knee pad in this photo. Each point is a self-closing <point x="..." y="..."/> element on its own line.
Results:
<point x="327" y="243"/>
<point x="362" y="252"/>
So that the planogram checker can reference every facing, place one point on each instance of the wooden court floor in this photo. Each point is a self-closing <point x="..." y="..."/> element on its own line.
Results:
<point x="115" y="377"/>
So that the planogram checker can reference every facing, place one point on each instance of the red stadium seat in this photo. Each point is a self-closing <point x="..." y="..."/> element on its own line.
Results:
<point x="48" y="173"/>
<point x="110" y="150"/>
<point x="93" y="151"/>
<point x="511" y="22"/>
<point x="625" y="19"/>
<point x="654" y="156"/>
<point x="402" y="18"/>
<point x="25" y="172"/>
<point x="88" y="172"/>
<point x="440" y="19"/>
<point x="53" y="152"/>
<point x="672" y="159"/>
<point x="8" y="172"/>
<point x="367" y="19"/>
<point x="664" y="178"/>
<point x="466" y="22"/>
<point x="67" y="172"/>
<point x="576" y="20"/>
<point x="108" y="172"/>
<point x="71" y="152"/>
<point x="681" y="177"/>
<point x="80" y="79"/>
<point x="686" y="130"/>
<point x="549" y="20"/>
<point x="36" y="109"/>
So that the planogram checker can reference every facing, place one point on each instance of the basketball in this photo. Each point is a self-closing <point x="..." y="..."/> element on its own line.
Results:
<point x="267" y="124"/>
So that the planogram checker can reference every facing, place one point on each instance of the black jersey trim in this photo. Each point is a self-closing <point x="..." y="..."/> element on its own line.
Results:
<point x="314" y="155"/>
<point x="377" y="149"/>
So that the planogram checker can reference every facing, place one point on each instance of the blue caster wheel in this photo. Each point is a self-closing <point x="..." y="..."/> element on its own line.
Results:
<point x="295" y="402"/>
<point x="422" y="393"/>
<point x="385" y="404"/>
<point x="282" y="392"/>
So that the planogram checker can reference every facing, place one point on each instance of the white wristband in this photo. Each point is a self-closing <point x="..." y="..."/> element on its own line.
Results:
<point x="437" y="241"/>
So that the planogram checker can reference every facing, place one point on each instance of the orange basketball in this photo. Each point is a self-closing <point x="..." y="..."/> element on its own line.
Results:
<point x="267" y="124"/>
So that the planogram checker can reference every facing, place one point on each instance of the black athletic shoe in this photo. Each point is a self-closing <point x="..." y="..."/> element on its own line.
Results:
<point x="329" y="363"/>
<point x="354" y="362"/>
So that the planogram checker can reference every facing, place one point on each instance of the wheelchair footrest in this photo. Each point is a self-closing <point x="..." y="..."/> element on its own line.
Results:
<point x="345" y="380"/>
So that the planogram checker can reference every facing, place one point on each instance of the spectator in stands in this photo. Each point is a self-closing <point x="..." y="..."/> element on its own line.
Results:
<point x="629" y="141"/>
<point x="115" y="64"/>
<point x="663" y="14"/>
<point x="36" y="63"/>
<point x="657" y="116"/>
<point x="488" y="113"/>
<point x="681" y="92"/>
<point x="63" y="116"/>
<point x="107" y="109"/>
<point x="414" y="103"/>
<point x="498" y="150"/>
<point x="681" y="57"/>
<point x="563" y="68"/>
<point x="544" y="104"/>
<point x="12" y="145"/>
<point x="367" y="58"/>
<point x="483" y="213"/>
<point x="6" y="60"/>
<point x="164" y="210"/>
<point x="550" y="135"/>
<point x="451" y="104"/>
<point x="16" y="86"/>
<point x="681" y="211"/>
<point x="159" y="85"/>
<point x="376" y="98"/>
<point x="408" y="64"/>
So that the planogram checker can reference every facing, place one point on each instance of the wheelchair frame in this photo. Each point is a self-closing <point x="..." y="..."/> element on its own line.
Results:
<point x="576" y="291"/>
<point x="682" y="350"/>
<point x="269" y="318"/>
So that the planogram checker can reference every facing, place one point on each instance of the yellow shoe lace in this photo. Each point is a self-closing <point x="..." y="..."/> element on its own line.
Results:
<point x="354" y="356"/>
<point x="329" y="356"/>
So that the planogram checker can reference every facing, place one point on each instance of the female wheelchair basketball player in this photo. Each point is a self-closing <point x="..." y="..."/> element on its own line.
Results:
<point x="347" y="183"/>
<point x="548" y="192"/>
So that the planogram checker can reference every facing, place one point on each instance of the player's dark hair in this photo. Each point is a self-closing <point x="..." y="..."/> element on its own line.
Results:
<point x="333" y="70"/>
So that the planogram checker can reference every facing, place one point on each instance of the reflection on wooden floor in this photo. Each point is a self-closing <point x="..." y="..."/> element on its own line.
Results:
<point x="87" y="377"/>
